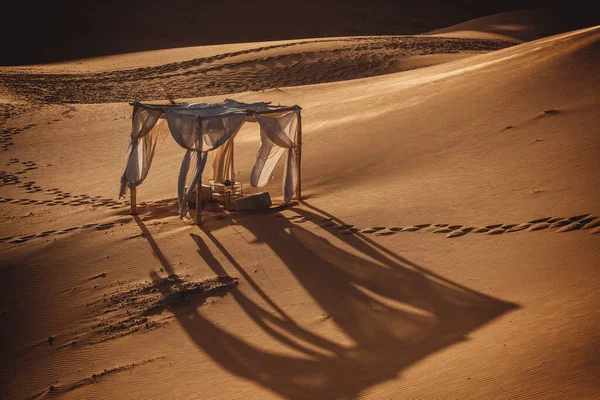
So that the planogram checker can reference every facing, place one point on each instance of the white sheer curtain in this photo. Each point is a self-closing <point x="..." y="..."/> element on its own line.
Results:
<point x="278" y="135"/>
<point x="223" y="167"/>
<point x="198" y="136"/>
<point x="141" y="147"/>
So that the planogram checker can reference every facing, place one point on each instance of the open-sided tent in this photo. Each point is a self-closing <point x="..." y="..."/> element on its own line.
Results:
<point x="203" y="127"/>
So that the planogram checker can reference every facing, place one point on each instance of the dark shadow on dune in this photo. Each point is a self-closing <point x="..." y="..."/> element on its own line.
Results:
<point x="158" y="254"/>
<point x="394" y="311"/>
<point x="533" y="24"/>
<point x="66" y="30"/>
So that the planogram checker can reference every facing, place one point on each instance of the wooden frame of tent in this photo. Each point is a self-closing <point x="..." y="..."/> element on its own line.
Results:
<point x="145" y="117"/>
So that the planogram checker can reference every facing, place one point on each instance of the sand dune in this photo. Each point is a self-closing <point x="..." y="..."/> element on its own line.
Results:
<point x="524" y="25"/>
<point x="108" y="28"/>
<point x="447" y="247"/>
<point x="262" y="67"/>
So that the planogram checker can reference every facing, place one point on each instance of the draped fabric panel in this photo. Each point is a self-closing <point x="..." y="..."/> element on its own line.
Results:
<point x="141" y="148"/>
<point x="278" y="135"/>
<point x="198" y="136"/>
<point x="217" y="130"/>
<point x="185" y="130"/>
<point x="223" y="168"/>
<point x="190" y="173"/>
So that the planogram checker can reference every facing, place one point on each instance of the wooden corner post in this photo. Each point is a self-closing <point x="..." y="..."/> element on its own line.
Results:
<point x="132" y="195"/>
<point x="198" y="163"/>
<point x="299" y="157"/>
<point x="199" y="202"/>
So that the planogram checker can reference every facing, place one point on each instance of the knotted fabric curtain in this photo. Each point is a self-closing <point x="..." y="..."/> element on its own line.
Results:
<point x="141" y="148"/>
<point x="278" y="135"/>
<point x="198" y="136"/>
<point x="223" y="168"/>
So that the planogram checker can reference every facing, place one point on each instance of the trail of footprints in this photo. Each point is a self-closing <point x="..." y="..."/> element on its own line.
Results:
<point x="63" y="198"/>
<point x="59" y="198"/>
<point x="95" y="226"/>
<point x="228" y="72"/>
<point x="577" y="222"/>
<point x="7" y="134"/>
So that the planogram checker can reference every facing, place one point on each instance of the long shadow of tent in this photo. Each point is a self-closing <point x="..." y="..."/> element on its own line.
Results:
<point x="394" y="311"/>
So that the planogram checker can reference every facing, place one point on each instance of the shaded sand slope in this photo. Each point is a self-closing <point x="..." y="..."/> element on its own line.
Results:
<point x="321" y="311"/>
<point x="106" y="28"/>
<point x="524" y="25"/>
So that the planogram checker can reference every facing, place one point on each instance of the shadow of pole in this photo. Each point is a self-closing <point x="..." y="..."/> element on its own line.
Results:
<point x="158" y="254"/>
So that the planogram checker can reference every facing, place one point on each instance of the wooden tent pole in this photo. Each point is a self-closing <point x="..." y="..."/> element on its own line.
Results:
<point x="132" y="195"/>
<point x="199" y="184"/>
<point x="299" y="157"/>
<point x="199" y="202"/>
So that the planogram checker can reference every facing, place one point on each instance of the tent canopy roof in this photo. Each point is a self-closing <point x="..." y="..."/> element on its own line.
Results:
<point x="208" y="110"/>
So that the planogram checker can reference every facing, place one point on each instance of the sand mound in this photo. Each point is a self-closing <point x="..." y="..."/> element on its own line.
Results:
<point x="523" y="26"/>
<point x="256" y="69"/>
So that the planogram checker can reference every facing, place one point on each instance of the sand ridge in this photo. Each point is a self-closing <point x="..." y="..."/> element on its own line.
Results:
<point x="256" y="69"/>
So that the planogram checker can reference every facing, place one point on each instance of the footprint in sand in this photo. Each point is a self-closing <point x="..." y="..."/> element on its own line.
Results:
<point x="592" y="224"/>
<point x="579" y="217"/>
<point x="560" y="223"/>
<point x="5" y="239"/>
<point x="17" y="241"/>
<point x="23" y="239"/>
<point x="104" y="226"/>
<point x="519" y="227"/>
<point x="373" y="230"/>
<point x="345" y="226"/>
<point x="538" y="221"/>
<point x="443" y="230"/>
<point x="539" y="226"/>
<point x="368" y="231"/>
<point x="572" y="227"/>
<point x="586" y="220"/>
<point x="384" y="233"/>
<point x="456" y="234"/>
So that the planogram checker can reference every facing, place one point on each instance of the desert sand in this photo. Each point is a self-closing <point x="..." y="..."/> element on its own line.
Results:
<point x="446" y="247"/>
